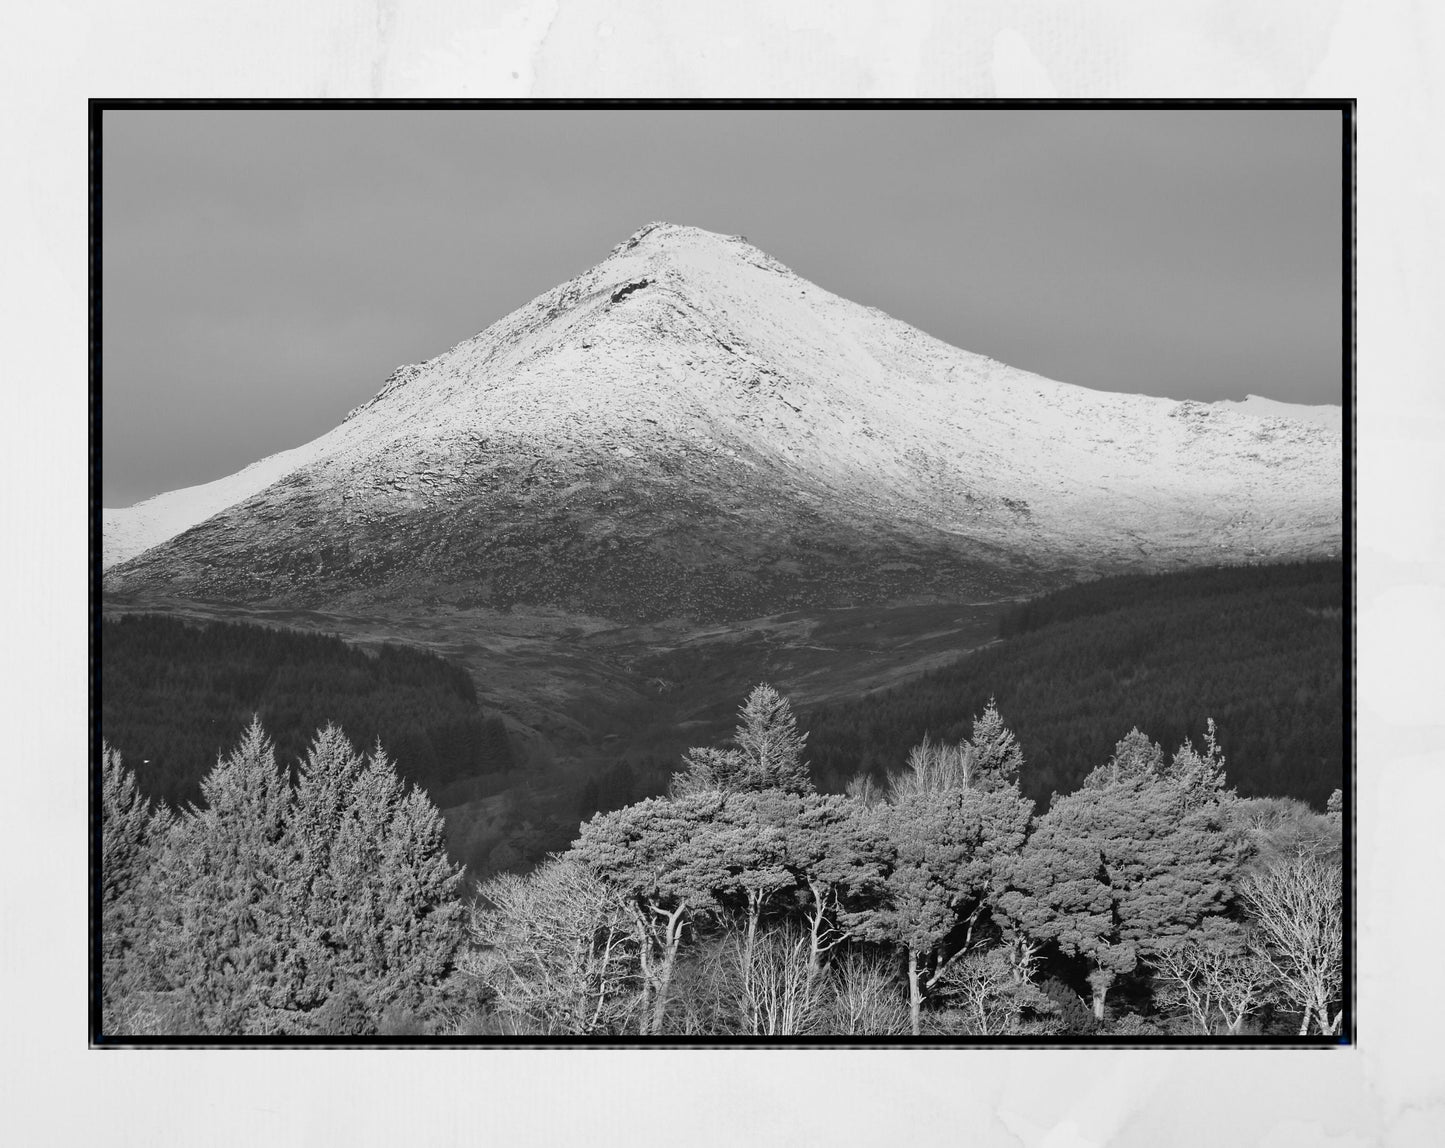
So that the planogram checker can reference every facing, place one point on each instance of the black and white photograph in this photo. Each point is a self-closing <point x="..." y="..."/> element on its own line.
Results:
<point x="689" y="574"/>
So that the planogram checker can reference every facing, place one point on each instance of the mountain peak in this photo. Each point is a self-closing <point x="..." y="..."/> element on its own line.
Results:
<point x="661" y="239"/>
<point x="660" y="232"/>
<point x="691" y="428"/>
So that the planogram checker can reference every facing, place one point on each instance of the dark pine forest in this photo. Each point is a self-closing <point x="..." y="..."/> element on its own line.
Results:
<point x="175" y="694"/>
<point x="1258" y="648"/>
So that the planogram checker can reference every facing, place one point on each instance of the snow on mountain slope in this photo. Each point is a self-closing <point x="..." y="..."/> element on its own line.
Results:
<point x="1325" y="415"/>
<point x="131" y="530"/>
<point x="690" y="427"/>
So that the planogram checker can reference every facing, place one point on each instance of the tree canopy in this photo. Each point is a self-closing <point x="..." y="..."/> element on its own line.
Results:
<point x="277" y="908"/>
<point x="1140" y="855"/>
<point x="316" y="900"/>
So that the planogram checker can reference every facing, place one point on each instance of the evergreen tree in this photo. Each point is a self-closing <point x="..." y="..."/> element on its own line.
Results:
<point x="326" y="789"/>
<point x="1257" y="647"/>
<point x="947" y="858"/>
<point x="1199" y="775"/>
<point x="767" y="753"/>
<point x="383" y="906"/>
<point x="313" y="910"/>
<point x="1122" y="866"/>
<point x="1073" y="1015"/>
<point x="176" y="693"/>
<point x="838" y="854"/>
<point x="1135" y="757"/>
<point x="709" y="770"/>
<point x="661" y="858"/>
<point x="751" y="837"/>
<point x="130" y="832"/>
<point x="769" y="740"/>
<point x="221" y="892"/>
<point x="997" y="758"/>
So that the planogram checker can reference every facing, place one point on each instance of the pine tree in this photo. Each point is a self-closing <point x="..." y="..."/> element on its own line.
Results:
<point x="709" y="770"/>
<point x="326" y="790"/>
<point x="294" y="911"/>
<point x="997" y="758"/>
<point x="1073" y="1015"/>
<point x="1199" y="775"/>
<point x="131" y="831"/>
<point x="220" y="886"/>
<point x="661" y="857"/>
<point x="946" y="860"/>
<point x="767" y="753"/>
<point x="752" y="834"/>
<point x="770" y="742"/>
<point x="1120" y="867"/>
<point x="382" y="913"/>
<point x="838" y="853"/>
<point x="1134" y="757"/>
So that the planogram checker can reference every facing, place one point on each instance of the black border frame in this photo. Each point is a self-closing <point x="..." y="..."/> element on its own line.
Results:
<point x="95" y="139"/>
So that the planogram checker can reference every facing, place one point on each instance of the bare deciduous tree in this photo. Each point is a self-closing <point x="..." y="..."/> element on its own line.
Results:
<point x="868" y="997"/>
<point x="1297" y="905"/>
<point x="982" y="985"/>
<point x="1214" y="976"/>
<point x="776" y="993"/>
<point x="933" y="767"/>
<point x="864" y="789"/>
<point x="555" y="949"/>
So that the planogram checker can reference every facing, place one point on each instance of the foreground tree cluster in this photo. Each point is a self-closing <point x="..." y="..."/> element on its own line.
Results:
<point x="326" y="907"/>
<point x="744" y="903"/>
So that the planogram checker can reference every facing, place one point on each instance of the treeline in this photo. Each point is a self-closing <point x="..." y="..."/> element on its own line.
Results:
<point x="1260" y="648"/>
<point x="1152" y="901"/>
<point x="1313" y="585"/>
<point x="175" y="694"/>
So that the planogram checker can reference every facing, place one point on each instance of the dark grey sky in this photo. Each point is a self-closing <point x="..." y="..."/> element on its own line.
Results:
<point x="264" y="271"/>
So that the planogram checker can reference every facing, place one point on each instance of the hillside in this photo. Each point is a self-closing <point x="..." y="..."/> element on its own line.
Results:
<point x="1259" y="649"/>
<point x="177" y="695"/>
<point x="690" y="429"/>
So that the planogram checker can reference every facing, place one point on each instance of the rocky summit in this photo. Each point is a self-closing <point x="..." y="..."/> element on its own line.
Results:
<point x="689" y="429"/>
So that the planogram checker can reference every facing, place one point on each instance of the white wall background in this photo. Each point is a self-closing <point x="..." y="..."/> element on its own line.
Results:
<point x="1389" y="1090"/>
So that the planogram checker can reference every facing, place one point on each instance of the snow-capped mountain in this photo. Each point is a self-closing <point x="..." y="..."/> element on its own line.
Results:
<point x="689" y="428"/>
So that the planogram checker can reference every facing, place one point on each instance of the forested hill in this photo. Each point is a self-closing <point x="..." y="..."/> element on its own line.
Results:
<point x="174" y="695"/>
<point x="1259" y="649"/>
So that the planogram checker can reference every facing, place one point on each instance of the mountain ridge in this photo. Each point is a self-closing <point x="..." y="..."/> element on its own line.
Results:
<point x="691" y="428"/>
